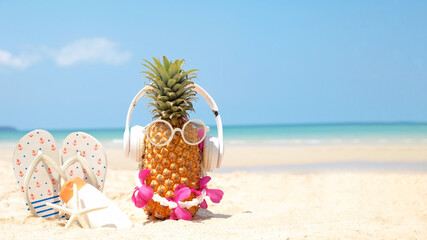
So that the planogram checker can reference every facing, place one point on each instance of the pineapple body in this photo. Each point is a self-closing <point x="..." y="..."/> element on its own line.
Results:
<point x="177" y="162"/>
<point x="171" y="165"/>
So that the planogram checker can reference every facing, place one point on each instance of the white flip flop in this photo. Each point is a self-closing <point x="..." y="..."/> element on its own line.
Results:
<point x="84" y="157"/>
<point x="36" y="164"/>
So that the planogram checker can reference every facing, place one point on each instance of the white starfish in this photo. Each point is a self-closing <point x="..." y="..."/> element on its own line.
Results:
<point x="75" y="213"/>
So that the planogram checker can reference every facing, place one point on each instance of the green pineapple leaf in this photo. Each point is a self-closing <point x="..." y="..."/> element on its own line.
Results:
<point x="166" y="63"/>
<point x="172" y="89"/>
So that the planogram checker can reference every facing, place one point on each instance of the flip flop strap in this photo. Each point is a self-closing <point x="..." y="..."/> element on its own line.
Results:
<point x="48" y="161"/>
<point x="84" y="164"/>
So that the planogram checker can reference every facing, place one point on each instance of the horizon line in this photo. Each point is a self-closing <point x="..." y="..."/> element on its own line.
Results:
<point x="350" y="123"/>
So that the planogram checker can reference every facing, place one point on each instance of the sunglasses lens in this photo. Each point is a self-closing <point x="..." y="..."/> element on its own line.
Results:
<point x="194" y="131"/>
<point x="159" y="132"/>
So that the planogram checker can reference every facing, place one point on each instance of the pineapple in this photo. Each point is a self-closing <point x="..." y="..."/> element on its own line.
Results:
<point x="177" y="162"/>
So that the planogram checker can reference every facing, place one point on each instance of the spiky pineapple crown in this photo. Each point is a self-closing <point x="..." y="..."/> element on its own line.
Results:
<point x="172" y="89"/>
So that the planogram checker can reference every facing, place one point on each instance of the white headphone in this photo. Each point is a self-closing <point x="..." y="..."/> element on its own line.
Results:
<point x="213" y="148"/>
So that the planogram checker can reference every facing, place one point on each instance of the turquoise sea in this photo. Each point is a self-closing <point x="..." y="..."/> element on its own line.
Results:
<point x="273" y="135"/>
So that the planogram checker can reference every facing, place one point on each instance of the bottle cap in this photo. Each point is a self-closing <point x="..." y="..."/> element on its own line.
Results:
<point x="67" y="189"/>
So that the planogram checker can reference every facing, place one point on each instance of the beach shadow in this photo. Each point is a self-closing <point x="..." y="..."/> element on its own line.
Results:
<point x="201" y="215"/>
<point x="151" y="219"/>
<point x="204" y="214"/>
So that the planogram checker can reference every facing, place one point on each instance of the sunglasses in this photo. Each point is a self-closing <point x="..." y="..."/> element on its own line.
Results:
<point x="193" y="132"/>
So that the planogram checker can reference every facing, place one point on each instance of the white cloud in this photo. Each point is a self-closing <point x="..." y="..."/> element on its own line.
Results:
<point x="82" y="51"/>
<point x="23" y="61"/>
<point x="91" y="50"/>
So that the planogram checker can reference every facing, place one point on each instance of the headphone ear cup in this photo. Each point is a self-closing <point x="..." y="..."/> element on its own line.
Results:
<point x="137" y="145"/>
<point x="214" y="153"/>
<point x="126" y="142"/>
<point x="217" y="155"/>
<point x="210" y="154"/>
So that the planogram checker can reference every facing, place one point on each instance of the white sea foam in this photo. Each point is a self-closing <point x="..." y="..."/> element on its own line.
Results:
<point x="313" y="141"/>
<point x="7" y="145"/>
<point x="321" y="141"/>
<point x="276" y="135"/>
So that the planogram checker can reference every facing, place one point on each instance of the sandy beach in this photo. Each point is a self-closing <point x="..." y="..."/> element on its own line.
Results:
<point x="314" y="109"/>
<point x="261" y="204"/>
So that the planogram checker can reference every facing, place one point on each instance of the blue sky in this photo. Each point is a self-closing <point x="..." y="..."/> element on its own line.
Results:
<point x="77" y="65"/>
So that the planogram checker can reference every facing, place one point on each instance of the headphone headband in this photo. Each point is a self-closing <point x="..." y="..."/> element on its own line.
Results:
<point x="199" y="90"/>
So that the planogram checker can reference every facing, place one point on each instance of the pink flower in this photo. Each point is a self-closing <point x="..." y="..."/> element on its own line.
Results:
<point x="214" y="194"/>
<point x="181" y="193"/>
<point x="200" y="133"/>
<point x="145" y="193"/>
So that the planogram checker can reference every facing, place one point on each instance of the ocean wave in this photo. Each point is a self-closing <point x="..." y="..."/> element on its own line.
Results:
<point x="273" y="141"/>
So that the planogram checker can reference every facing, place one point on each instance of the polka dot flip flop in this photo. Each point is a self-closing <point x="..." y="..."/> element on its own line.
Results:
<point x="84" y="157"/>
<point x="36" y="164"/>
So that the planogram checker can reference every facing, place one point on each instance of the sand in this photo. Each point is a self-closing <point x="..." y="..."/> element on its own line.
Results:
<point x="315" y="204"/>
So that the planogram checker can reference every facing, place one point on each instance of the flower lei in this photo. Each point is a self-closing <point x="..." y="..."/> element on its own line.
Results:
<point x="144" y="193"/>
